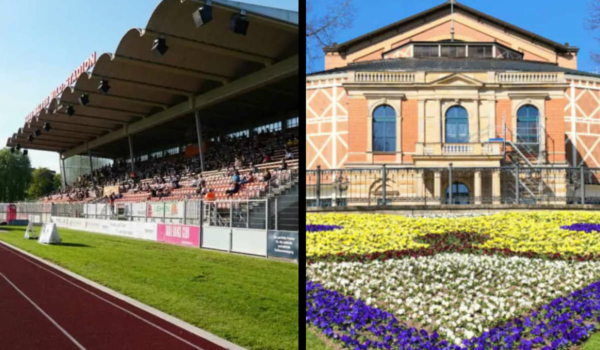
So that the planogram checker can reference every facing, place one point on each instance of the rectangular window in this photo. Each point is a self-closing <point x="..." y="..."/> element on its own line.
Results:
<point x="268" y="128"/>
<point x="293" y="122"/>
<point x="453" y="51"/>
<point x="426" y="51"/>
<point x="144" y="158"/>
<point x="384" y="134"/>
<point x="480" y="51"/>
<point x="240" y="133"/>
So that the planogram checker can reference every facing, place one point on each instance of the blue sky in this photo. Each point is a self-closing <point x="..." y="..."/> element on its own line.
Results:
<point x="559" y="20"/>
<point x="44" y="41"/>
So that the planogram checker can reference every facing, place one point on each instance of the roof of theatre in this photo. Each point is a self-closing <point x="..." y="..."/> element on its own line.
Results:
<point x="453" y="65"/>
<point x="436" y="12"/>
<point x="230" y="78"/>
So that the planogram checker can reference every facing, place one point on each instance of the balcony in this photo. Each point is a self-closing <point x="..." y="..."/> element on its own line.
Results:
<point x="460" y="149"/>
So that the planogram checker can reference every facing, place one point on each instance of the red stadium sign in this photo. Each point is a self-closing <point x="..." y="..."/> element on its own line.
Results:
<point x="84" y="67"/>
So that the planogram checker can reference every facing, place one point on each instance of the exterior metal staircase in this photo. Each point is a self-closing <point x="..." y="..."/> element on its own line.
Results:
<point x="524" y="184"/>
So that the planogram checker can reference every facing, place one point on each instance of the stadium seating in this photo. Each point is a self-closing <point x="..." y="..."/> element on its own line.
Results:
<point x="218" y="180"/>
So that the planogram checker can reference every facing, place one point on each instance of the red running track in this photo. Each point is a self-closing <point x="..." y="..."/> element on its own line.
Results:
<point x="43" y="308"/>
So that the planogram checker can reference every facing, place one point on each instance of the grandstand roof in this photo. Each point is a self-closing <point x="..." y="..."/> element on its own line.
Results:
<point x="229" y="77"/>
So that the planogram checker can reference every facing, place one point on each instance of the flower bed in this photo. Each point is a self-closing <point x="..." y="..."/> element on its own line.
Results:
<point x="504" y="281"/>
<point x="479" y="290"/>
<point x="537" y="232"/>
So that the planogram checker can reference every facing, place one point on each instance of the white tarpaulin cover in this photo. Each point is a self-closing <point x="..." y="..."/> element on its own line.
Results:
<point x="30" y="232"/>
<point x="131" y="229"/>
<point x="49" y="234"/>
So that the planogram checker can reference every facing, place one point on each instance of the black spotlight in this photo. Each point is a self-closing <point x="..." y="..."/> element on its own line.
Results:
<point x="47" y="126"/>
<point x="160" y="46"/>
<point x="84" y="99"/>
<point x="203" y="15"/>
<point x="70" y="110"/>
<point x="239" y="24"/>
<point x="37" y="133"/>
<point x="104" y="87"/>
<point x="12" y="150"/>
<point x="24" y="152"/>
<point x="18" y="147"/>
<point x="30" y="138"/>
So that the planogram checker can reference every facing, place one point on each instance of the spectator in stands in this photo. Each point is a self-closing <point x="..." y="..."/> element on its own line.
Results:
<point x="284" y="165"/>
<point x="235" y="188"/>
<point x="210" y="196"/>
<point x="266" y="158"/>
<point x="238" y="163"/>
<point x="236" y="177"/>
<point x="267" y="176"/>
<point x="175" y="180"/>
<point x="254" y="168"/>
<point x="289" y="154"/>
<point x="247" y="179"/>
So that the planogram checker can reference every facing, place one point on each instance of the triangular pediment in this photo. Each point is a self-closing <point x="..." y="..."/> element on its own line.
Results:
<point x="456" y="80"/>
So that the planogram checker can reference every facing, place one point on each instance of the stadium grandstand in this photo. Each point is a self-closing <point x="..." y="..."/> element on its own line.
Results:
<point x="201" y="106"/>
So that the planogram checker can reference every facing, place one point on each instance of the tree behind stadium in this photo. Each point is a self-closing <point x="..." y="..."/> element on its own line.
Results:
<point x="15" y="176"/>
<point x="42" y="183"/>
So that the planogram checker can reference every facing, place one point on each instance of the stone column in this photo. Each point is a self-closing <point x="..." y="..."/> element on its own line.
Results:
<point x="477" y="187"/>
<point x="496" y="191"/>
<point x="437" y="186"/>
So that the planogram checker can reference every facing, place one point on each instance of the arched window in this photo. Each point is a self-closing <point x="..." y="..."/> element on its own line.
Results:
<point x="384" y="129"/>
<point x="528" y="125"/>
<point x="460" y="193"/>
<point x="457" y="125"/>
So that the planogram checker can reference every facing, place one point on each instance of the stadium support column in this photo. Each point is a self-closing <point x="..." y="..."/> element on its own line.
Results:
<point x="131" y="152"/>
<point x="199" y="131"/>
<point x="64" y="173"/>
<point x="91" y="169"/>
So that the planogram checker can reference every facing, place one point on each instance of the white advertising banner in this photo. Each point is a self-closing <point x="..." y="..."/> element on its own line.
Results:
<point x="165" y="209"/>
<point x="138" y="209"/>
<point x="132" y="229"/>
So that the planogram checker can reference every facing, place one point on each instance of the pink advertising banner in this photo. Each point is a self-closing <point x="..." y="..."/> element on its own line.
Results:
<point x="185" y="235"/>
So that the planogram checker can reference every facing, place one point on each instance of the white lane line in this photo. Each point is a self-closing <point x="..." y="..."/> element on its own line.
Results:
<point x="43" y="313"/>
<point x="107" y="301"/>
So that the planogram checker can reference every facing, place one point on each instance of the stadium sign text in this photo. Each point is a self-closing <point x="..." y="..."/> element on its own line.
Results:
<point x="84" y="67"/>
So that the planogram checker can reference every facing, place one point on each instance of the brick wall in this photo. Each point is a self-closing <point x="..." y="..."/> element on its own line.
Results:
<point x="358" y="110"/>
<point x="555" y="130"/>
<point x="410" y="128"/>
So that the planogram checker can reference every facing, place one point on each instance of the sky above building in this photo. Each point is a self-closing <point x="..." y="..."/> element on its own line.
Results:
<point x="45" y="41"/>
<point x="558" y="20"/>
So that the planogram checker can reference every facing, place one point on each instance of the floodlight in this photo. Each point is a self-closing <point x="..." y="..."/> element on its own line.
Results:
<point x="70" y="110"/>
<point x="84" y="99"/>
<point x="47" y="126"/>
<point x="37" y="132"/>
<point x="104" y="87"/>
<point x="30" y="138"/>
<point x="239" y="23"/>
<point x="160" y="46"/>
<point x="18" y="147"/>
<point x="203" y="15"/>
<point x="24" y="152"/>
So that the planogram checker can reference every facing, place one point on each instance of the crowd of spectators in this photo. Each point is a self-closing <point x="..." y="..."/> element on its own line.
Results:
<point x="229" y="155"/>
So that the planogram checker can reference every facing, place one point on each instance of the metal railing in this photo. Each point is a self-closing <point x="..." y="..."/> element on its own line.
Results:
<point x="233" y="213"/>
<point x="430" y="186"/>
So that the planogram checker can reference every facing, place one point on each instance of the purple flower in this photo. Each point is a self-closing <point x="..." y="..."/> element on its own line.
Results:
<point x="322" y="228"/>
<point x="586" y="227"/>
